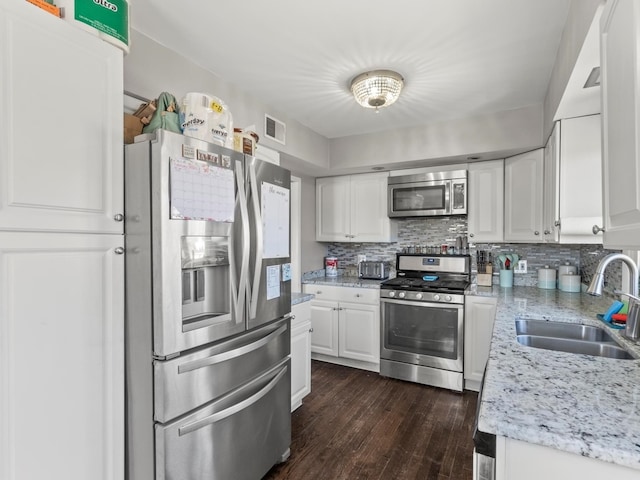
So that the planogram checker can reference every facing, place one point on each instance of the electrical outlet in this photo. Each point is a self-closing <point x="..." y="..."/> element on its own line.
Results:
<point x="522" y="267"/>
<point x="362" y="258"/>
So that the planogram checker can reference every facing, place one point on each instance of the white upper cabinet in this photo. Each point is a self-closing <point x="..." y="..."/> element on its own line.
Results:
<point x="620" y="85"/>
<point x="485" y="206"/>
<point x="523" y="197"/>
<point x="61" y="131"/>
<point x="580" y="182"/>
<point x="353" y="208"/>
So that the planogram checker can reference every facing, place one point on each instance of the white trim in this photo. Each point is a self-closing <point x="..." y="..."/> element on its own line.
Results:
<point x="296" y="217"/>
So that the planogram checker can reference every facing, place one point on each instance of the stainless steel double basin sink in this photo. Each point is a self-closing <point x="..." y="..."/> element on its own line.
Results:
<point x="569" y="337"/>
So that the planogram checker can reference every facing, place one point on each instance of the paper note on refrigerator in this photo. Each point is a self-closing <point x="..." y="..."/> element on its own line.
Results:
<point x="275" y="221"/>
<point x="273" y="281"/>
<point x="201" y="191"/>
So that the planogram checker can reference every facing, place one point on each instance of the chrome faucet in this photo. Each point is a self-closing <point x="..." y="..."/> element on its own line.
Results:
<point x="632" y="328"/>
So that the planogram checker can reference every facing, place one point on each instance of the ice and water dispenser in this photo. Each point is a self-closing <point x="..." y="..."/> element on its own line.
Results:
<point x="206" y="296"/>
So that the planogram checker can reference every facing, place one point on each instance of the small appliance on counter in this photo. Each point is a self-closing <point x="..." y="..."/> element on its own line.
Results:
<point x="373" y="270"/>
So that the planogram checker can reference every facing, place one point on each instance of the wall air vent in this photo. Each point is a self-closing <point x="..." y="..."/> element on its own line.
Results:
<point x="275" y="129"/>
<point x="594" y="78"/>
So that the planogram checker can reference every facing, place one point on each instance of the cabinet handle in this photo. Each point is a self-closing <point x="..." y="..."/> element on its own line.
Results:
<point x="596" y="229"/>
<point x="311" y="330"/>
<point x="118" y="217"/>
<point x="119" y="250"/>
<point x="536" y="232"/>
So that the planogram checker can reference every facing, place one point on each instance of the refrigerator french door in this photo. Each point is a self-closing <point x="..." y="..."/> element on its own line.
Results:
<point x="208" y="296"/>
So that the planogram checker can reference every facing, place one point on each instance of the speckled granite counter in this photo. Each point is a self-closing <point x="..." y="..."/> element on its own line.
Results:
<point x="344" y="281"/>
<point x="577" y="403"/>
<point x="297" y="297"/>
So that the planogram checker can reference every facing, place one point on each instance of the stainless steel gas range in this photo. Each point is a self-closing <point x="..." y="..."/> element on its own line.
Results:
<point x="422" y="313"/>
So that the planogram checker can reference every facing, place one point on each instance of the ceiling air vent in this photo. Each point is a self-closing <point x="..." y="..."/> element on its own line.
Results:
<point x="275" y="129"/>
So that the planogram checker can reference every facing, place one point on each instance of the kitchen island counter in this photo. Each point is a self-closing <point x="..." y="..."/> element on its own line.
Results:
<point x="576" y="403"/>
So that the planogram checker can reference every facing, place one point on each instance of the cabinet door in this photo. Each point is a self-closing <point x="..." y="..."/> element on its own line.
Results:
<point x="61" y="133"/>
<point x="551" y="189"/>
<point x="324" y="324"/>
<point x="620" y="67"/>
<point x="369" y="218"/>
<point x="62" y="368"/>
<point x="479" y="316"/>
<point x="486" y="201"/>
<point x="333" y="209"/>
<point x="360" y="332"/>
<point x="523" y="197"/>
<point x="300" y="354"/>
<point x="580" y="179"/>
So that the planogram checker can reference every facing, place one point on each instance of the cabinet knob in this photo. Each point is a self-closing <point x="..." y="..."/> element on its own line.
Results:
<point x="319" y="292"/>
<point x="471" y="235"/>
<point x="293" y="317"/>
<point x="311" y="330"/>
<point x="536" y="232"/>
<point x="358" y="295"/>
<point x="118" y="217"/>
<point x="596" y="229"/>
<point x="556" y="223"/>
<point x="119" y="250"/>
<point x="547" y="232"/>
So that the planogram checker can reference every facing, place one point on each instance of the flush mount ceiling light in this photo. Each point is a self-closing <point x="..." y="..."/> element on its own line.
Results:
<point x="377" y="89"/>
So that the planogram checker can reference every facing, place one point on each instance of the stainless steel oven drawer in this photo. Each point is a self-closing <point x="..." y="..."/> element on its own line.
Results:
<point x="240" y="436"/>
<point x="186" y="382"/>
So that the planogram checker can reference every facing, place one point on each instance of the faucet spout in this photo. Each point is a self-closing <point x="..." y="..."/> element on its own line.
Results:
<point x="597" y="282"/>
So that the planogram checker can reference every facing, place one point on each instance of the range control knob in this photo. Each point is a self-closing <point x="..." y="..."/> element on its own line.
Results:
<point x="436" y="297"/>
<point x="418" y="296"/>
<point x="401" y="295"/>
<point x="448" y="298"/>
<point x="392" y="294"/>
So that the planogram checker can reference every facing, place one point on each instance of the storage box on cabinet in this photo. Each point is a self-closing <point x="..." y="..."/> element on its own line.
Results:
<point x="353" y="208"/>
<point x="346" y="325"/>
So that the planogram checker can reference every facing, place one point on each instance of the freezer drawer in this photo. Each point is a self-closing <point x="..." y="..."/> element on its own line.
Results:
<point x="239" y="436"/>
<point x="189" y="381"/>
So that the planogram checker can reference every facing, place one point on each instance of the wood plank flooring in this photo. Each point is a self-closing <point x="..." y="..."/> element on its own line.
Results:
<point x="358" y="425"/>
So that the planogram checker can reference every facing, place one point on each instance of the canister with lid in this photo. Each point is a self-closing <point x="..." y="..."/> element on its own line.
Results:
<point x="569" y="282"/>
<point x="547" y="277"/>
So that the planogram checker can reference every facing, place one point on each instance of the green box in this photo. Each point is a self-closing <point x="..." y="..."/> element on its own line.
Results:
<point x="107" y="16"/>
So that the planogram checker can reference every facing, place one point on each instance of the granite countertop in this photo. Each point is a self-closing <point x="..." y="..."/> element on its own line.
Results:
<point x="344" y="281"/>
<point x="577" y="403"/>
<point x="297" y="297"/>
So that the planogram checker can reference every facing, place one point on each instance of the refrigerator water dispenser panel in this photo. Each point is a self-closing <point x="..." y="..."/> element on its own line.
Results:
<point x="206" y="293"/>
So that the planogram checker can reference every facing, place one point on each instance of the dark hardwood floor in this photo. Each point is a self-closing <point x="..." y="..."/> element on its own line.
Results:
<point x="358" y="425"/>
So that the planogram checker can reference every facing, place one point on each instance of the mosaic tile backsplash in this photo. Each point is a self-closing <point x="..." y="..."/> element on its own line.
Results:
<point x="437" y="231"/>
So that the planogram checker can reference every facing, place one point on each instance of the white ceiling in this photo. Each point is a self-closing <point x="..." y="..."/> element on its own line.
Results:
<point x="459" y="58"/>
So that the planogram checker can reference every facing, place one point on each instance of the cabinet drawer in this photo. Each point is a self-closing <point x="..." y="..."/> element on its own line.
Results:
<point x="370" y="296"/>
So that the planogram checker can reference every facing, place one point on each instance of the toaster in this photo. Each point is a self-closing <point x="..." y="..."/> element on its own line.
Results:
<point x="373" y="270"/>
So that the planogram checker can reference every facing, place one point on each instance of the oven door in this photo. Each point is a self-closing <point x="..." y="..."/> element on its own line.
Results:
<point x="422" y="333"/>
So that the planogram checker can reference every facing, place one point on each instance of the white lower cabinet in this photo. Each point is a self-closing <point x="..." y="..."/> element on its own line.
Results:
<point x="61" y="356"/>
<point x="525" y="461"/>
<point x="479" y="316"/>
<point x="346" y="325"/>
<point x="300" y="353"/>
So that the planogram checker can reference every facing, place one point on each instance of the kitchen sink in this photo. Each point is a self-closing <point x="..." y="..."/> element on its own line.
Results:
<point x="570" y="338"/>
<point x="572" y="331"/>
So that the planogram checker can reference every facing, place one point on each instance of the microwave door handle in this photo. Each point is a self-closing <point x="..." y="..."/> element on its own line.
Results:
<point x="227" y="412"/>
<point x="239" y="297"/>
<point x="255" y="202"/>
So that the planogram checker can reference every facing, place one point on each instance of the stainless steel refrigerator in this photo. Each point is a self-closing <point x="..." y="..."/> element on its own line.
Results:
<point x="208" y="301"/>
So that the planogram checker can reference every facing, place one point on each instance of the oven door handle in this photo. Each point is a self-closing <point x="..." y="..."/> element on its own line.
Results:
<point x="421" y="304"/>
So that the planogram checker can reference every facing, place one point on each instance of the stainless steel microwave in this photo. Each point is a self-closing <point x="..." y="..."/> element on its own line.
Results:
<point x="428" y="194"/>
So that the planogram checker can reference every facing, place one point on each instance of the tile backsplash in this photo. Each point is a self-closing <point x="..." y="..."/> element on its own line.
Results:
<point x="433" y="231"/>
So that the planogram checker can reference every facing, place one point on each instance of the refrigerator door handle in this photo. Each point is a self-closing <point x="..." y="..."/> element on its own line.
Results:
<point x="255" y="202"/>
<point x="239" y="288"/>
<point x="227" y="412"/>
<point x="238" y="352"/>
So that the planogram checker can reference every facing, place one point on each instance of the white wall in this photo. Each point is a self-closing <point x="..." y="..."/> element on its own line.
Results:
<point x="581" y="13"/>
<point x="492" y="136"/>
<point x="313" y="252"/>
<point x="151" y="68"/>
